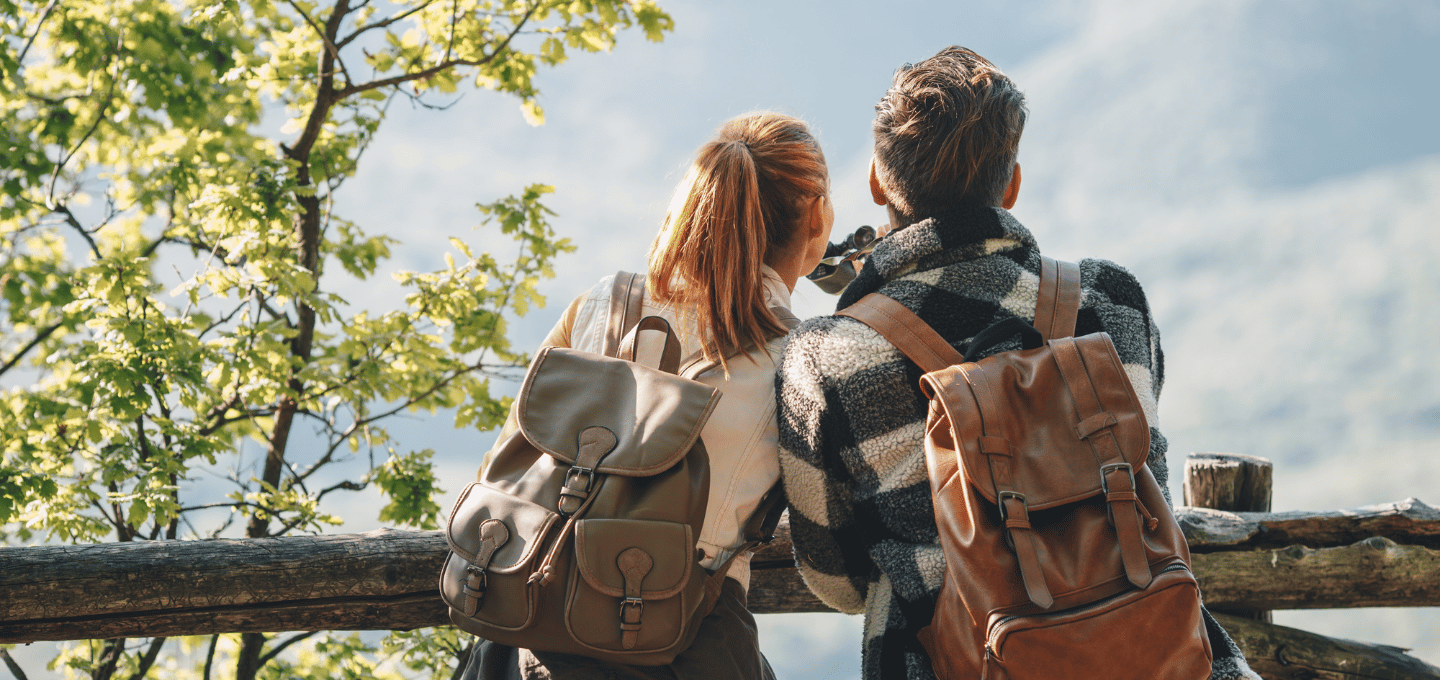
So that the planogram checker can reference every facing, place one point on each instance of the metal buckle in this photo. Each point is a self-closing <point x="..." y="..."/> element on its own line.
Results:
<point x="1005" y="515"/>
<point x="1000" y="499"/>
<point x="1105" y="471"/>
<point x="477" y="571"/>
<point x="589" y="477"/>
<point x="635" y="602"/>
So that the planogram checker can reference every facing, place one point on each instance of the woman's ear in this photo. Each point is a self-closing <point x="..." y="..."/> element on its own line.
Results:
<point x="815" y="217"/>
<point x="876" y="193"/>
<point x="1012" y="190"/>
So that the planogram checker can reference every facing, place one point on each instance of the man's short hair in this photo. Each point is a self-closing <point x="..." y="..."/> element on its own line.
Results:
<point x="947" y="133"/>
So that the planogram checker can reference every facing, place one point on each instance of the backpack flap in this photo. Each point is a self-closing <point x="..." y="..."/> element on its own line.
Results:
<point x="655" y="416"/>
<point x="1033" y="411"/>
<point x="494" y="538"/>
<point x="525" y="526"/>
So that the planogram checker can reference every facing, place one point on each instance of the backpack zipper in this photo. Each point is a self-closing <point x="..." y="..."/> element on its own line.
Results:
<point x="998" y="627"/>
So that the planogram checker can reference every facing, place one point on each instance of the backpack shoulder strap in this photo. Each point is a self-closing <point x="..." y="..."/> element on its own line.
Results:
<point x="1058" y="303"/>
<point x="625" y="299"/>
<point x="785" y="317"/>
<point x="760" y="528"/>
<point x="904" y="329"/>
<point x="696" y="363"/>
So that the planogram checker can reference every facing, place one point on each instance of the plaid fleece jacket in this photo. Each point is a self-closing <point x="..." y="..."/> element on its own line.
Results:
<point x="852" y="420"/>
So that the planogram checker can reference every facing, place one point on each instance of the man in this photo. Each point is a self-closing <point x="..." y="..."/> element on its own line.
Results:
<point x="851" y="413"/>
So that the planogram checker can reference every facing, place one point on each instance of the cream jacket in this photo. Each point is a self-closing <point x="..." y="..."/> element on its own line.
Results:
<point x="740" y="437"/>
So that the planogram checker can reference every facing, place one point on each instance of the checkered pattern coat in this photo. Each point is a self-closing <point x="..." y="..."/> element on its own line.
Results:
<point x="852" y="419"/>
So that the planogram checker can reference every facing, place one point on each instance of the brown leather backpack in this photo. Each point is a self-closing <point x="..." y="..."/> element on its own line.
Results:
<point x="1062" y="558"/>
<point x="580" y="536"/>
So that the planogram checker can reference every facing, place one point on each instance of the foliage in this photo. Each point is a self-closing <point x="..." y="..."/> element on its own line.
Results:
<point x="137" y="142"/>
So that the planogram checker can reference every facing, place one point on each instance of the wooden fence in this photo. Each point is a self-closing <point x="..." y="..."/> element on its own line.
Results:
<point x="1248" y="561"/>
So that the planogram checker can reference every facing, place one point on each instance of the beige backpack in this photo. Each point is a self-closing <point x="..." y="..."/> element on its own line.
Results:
<point x="580" y="536"/>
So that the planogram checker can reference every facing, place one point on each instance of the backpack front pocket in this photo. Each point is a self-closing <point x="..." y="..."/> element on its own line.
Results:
<point x="1104" y="640"/>
<point x="635" y="584"/>
<point x="494" y="538"/>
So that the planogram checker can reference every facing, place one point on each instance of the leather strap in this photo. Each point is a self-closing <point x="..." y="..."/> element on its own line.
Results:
<point x="634" y="565"/>
<point x="1058" y="303"/>
<point x="760" y="528"/>
<point x="785" y="317"/>
<point x="1013" y="508"/>
<point x="593" y="443"/>
<point x="626" y="298"/>
<point x="904" y="329"/>
<point x="1095" y="427"/>
<point x="669" y="357"/>
<point x="696" y="363"/>
<point x="493" y="534"/>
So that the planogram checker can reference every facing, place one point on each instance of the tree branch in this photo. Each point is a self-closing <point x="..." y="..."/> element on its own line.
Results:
<point x="462" y="658"/>
<point x="20" y="60"/>
<point x="448" y="63"/>
<point x="99" y="116"/>
<point x="325" y="97"/>
<point x="39" y="338"/>
<point x="219" y="322"/>
<point x="210" y="656"/>
<point x="382" y="24"/>
<point x="71" y="220"/>
<point x="281" y="647"/>
<point x="148" y="659"/>
<point x="329" y="43"/>
<point x="15" y="669"/>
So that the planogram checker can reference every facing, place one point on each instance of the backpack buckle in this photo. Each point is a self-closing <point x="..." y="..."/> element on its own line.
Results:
<point x="631" y="608"/>
<point x="573" y="493"/>
<point x="1105" y="471"/>
<point x="473" y="588"/>
<point x="1129" y="493"/>
<point x="478" y="572"/>
<point x="577" y="471"/>
<point x="1000" y="499"/>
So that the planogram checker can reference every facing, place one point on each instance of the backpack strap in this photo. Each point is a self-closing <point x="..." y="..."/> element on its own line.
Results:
<point x="904" y="329"/>
<point x="626" y="298"/>
<point x="1117" y="477"/>
<point x="1014" y="513"/>
<point x="696" y="363"/>
<point x="1058" y="302"/>
<point x="785" y="317"/>
<point x="670" y="355"/>
<point x="760" y="528"/>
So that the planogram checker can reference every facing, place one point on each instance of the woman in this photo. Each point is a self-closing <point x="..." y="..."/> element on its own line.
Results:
<point x="752" y="216"/>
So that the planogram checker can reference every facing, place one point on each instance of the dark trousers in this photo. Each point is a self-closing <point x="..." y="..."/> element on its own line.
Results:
<point x="726" y="648"/>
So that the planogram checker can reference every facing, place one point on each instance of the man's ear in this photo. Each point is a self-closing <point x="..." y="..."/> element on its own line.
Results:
<point x="1012" y="190"/>
<point x="876" y="193"/>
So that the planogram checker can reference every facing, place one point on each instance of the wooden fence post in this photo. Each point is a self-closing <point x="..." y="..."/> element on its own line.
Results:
<point x="1233" y="482"/>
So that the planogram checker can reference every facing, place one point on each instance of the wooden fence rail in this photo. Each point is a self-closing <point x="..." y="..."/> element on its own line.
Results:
<point x="1383" y="555"/>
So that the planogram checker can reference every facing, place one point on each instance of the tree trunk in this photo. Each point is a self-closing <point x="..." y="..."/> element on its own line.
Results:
<point x="308" y="226"/>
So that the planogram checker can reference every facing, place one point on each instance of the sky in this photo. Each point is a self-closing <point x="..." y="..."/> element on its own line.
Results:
<point x="1269" y="169"/>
